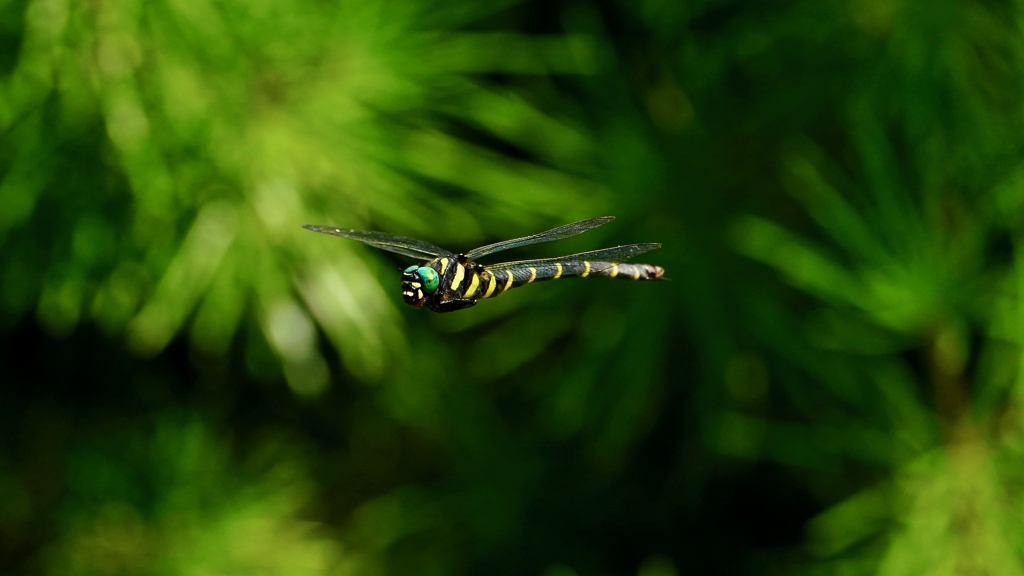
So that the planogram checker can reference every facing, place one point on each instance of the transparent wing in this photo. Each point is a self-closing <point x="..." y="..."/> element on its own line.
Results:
<point x="389" y="242"/>
<point x="559" y="233"/>
<point x="609" y="256"/>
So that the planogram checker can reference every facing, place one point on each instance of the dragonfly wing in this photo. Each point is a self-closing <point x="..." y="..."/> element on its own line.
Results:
<point x="607" y="256"/>
<point x="390" y="242"/>
<point x="559" y="233"/>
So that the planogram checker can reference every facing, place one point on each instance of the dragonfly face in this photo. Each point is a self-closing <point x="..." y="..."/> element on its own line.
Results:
<point x="452" y="281"/>
<point x="418" y="283"/>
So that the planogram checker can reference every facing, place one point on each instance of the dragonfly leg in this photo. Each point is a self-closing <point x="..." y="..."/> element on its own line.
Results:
<point x="453" y="305"/>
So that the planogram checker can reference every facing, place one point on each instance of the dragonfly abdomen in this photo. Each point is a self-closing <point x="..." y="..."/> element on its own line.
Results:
<point x="495" y="282"/>
<point x="627" y="271"/>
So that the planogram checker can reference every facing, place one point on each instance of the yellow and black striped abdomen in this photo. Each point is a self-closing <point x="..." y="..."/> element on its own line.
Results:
<point x="626" y="271"/>
<point x="495" y="282"/>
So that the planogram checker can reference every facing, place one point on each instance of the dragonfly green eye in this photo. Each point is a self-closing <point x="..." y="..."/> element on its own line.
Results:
<point x="411" y="269"/>
<point x="430" y="279"/>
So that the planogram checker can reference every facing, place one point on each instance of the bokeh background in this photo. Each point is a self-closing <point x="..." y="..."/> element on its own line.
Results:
<point x="190" y="383"/>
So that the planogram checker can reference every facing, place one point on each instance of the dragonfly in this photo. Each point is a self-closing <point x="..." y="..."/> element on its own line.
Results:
<point x="451" y="281"/>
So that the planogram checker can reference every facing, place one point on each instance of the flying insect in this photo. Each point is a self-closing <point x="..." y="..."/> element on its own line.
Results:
<point x="451" y="281"/>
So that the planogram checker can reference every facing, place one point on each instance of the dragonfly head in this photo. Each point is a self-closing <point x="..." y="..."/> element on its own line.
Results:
<point x="418" y="282"/>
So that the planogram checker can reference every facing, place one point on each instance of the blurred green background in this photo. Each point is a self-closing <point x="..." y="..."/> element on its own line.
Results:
<point x="190" y="383"/>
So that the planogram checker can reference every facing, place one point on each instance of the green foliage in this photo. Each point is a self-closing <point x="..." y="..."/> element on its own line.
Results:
<point x="904" y="269"/>
<point x="198" y="136"/>
<point x="204" y="516"/>
<point x="832" y="382"/>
